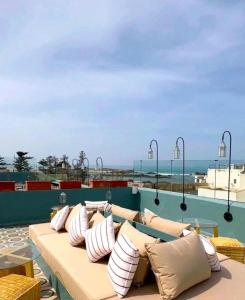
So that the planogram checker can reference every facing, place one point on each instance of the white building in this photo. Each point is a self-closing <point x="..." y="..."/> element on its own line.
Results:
<point x="200" y="178"/>
<point x="217" y="180"/>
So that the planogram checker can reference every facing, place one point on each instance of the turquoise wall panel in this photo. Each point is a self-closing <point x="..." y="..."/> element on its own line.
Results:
<point x="26" y="207"/>
<point x="198" y="207"/>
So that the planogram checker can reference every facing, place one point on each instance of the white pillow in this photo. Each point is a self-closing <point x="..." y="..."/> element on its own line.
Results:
<point x="212" y="256"/>
<point x="96" y="205"/>
<point x="58" y="221"/>
<point x="100" y="239"/>
<point x="122" y="265"/>
<point x="78" y="227"/>
<point x="147" y="211"/>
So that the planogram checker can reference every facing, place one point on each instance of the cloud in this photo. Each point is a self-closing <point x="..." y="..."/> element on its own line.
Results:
<point x="100" y="76"/>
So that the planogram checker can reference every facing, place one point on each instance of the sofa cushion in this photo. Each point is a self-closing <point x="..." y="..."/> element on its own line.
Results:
<point x="178" y="265"/>
<point x="78" y="227"/>
<point x="170" y="227"/>
<point x="100" y="239"/>
<point x="74" y="270"/>
<point x="125" y="213"/>
<point x="122" y="265"/>
<point x="139" y="239"/>
<point x="74" y="211"/>
<point x="36" y="230"/>
<point x="226" y="284"/>
<point x="211" y="253"/>
<point x="98" y="218"/>
<point x="96" y="205"/>
<point x="58" y="221"/>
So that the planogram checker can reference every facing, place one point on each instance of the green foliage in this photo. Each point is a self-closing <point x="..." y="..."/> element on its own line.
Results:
<point x="2" y="162"/>
<point x="21" y="162"/>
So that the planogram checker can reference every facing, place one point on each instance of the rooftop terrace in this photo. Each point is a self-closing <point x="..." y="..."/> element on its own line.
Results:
<point x="32" y="207"/>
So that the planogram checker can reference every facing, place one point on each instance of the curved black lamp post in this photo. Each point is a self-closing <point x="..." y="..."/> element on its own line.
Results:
<point x="101" y="163"/>
<point x="150" y="156"/>
<point x="87" y="165"/>
<point x="222" y="153"/>
<point x="183" y="205"/>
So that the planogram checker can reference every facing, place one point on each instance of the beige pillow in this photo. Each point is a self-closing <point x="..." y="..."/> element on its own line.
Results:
<point x="165" y="225"/>
<point x="124" y="212"/>
<point x="139" y="239"/>
<point x="74" y="211"/>
<point x="97" y="218"/>
<point x="178" y="265"/>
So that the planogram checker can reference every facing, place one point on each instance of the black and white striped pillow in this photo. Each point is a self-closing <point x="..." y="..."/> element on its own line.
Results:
<point x="122" y="265"/>
<point x="78" y="227"/>
<point x="58" y="221"/>
<point x="96" y="205"/>
<point x="100" y="239"/>
<point x="212" y="256"/>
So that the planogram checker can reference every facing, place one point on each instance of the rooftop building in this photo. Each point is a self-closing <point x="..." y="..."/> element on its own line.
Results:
<point x="217" y="180"/>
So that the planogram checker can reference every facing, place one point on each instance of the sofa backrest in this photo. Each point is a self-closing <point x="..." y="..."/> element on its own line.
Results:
<point x="145" y="229"/>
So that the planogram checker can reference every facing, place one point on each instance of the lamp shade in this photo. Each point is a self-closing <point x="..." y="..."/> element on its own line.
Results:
<point x="222" y="149"/>
<point x="150" y="153"/>
<point x="62" y="199"/>
<point x="176" y="152"/>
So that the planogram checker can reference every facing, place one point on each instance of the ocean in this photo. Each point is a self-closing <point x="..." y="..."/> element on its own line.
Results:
<point x="175" y="166"/>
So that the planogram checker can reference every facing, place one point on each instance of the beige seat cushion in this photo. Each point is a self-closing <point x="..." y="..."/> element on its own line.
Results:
<point x="178" y="265"/>
<point x="139" y="239"/>
<point x="71" y="265"/>
<point x="125" y="213"/>
<point x="36" y="230"/>
<point x="227" y="284"/>
<point x="74" y="211"/>
<point x="98" y="218"/>
<point x="79" y="276"/>
<point x="170" y="227"/>
<point x="145" y="292"/>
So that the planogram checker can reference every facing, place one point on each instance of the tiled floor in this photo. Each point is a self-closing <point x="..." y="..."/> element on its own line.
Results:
<point x="17" y="236"/>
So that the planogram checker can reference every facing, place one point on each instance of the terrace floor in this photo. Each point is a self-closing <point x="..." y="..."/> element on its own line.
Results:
<point x="17" y="235"/>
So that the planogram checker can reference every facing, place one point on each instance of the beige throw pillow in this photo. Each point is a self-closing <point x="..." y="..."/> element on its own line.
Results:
<point x="125" y="213"/>
<point x="178" y="265"/>
<point x="167" y="226"/>
<point x="139" y="239"/>
<point x="98" y="218"/>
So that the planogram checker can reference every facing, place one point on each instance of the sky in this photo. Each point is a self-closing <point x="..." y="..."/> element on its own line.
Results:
<point x="106" y="77"/>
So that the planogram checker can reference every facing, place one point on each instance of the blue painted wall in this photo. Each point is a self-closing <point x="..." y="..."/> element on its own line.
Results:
<point x="26" y="207"/>
<point x="35" y="206"/>
<point x="198" y="207"/>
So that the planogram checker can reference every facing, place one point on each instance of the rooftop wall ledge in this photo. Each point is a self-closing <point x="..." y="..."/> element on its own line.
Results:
<point x="197" y="207"/>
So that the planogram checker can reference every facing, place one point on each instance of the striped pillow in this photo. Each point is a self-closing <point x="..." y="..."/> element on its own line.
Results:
<point x="100" y="239"/>
<point x="212" y="256"/>
<point x="58" y="221"/>
<point x="96" y="205"/>
<point x="78" y="227"/>
<point x="122" y="265"/>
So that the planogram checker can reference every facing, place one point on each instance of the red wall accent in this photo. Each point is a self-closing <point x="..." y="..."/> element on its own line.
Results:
<point x="7" y="186"/>
<point x="38" y="185"/>
<point x="107" y="183"/>
<point x="74" y="184"/>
